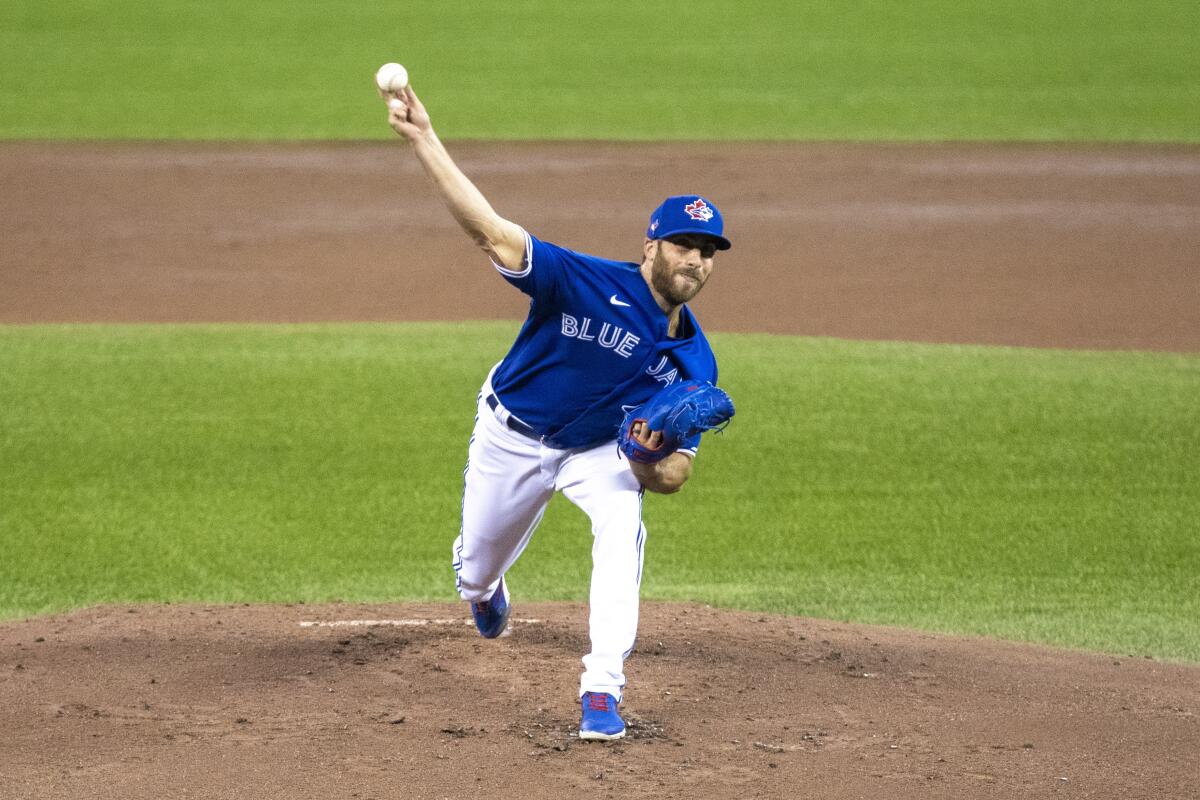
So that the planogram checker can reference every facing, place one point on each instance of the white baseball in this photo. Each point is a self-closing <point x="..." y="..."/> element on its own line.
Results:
<point x="391" y="77"/>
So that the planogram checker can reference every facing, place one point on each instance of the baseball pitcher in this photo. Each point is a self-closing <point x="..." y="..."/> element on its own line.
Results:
<point x="603" y="395"/>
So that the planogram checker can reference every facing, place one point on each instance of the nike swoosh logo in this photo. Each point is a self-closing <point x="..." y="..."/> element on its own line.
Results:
<point x="617" y="302"/>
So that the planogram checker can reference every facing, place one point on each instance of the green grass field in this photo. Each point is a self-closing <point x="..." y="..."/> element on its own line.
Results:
<point x="1107" y="70"/>
<point x="1030" y="494"/>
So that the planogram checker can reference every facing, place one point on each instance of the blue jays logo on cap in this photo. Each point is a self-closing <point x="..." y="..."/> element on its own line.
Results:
<point x="687" y="213"/>
<point x="699" y="210"/>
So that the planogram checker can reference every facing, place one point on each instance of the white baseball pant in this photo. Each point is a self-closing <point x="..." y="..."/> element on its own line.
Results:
<point x="508" y="481"/>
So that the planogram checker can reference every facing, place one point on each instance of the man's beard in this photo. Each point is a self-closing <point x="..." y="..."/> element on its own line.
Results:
<point x="662" y="278"/>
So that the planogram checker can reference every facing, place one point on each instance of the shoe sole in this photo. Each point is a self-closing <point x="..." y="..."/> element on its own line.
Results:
<point x="597" y="736"/>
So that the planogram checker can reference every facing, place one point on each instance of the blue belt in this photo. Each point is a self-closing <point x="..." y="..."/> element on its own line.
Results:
<point x="514" y="423"/>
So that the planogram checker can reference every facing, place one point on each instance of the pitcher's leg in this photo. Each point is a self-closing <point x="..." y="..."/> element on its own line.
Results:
<point x="613" y="612"/>
<point x="504" y="497"/>
<point x="605" y="489"/>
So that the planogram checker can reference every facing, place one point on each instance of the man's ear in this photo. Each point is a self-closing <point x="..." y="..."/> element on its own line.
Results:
<point x="649" y="249"/>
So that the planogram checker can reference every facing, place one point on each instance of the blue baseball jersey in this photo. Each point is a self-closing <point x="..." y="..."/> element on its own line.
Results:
<point x="595" y="344"/>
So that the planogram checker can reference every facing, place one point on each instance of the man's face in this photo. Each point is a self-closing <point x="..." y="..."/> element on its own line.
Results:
<point x="681" y="266"/>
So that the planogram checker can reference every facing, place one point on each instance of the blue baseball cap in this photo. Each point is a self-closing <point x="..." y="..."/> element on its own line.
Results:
<point x="687" y="213"/>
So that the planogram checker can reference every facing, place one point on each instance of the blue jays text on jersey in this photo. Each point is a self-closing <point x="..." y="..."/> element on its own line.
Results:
<point x="595" y="341"/>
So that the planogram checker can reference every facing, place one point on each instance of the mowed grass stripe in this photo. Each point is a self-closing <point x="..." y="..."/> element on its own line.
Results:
<point x="1030" y="494"/>
<point x="1106" y="70"/>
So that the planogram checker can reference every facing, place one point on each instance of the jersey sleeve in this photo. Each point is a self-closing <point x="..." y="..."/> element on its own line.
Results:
<point x="543" y="270"/>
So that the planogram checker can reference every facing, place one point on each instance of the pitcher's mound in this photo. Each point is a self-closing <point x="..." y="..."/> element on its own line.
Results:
<point x="390" y="701"/>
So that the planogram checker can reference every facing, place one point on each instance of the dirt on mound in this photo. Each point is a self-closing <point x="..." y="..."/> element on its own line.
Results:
<point x="408" y="701"/>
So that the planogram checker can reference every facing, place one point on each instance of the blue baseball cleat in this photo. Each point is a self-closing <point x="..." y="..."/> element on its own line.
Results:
<point x="491" y="615"/>
<point x="601" y="722"/>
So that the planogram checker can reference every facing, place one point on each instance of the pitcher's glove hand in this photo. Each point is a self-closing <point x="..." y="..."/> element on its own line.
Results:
<point x="677" y="413"/>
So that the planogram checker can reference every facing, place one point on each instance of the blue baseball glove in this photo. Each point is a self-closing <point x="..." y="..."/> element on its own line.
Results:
<point x="678" y="412"/>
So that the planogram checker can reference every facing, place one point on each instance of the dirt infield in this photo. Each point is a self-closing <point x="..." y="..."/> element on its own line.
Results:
<point x="1031" y="245"/>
